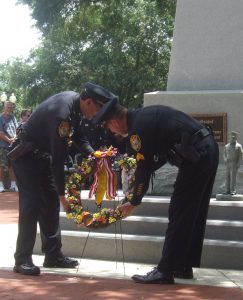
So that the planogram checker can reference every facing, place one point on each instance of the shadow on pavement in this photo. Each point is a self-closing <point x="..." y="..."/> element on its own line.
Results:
<point x="48" y="286"/>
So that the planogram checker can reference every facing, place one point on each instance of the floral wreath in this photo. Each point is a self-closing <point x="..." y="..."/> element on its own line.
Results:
<point x="99" y="165"/>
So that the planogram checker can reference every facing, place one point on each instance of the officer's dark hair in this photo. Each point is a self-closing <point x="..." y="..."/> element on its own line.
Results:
<point x="118" y="111"/>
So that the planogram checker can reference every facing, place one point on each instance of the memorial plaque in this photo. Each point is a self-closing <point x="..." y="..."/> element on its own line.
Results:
<point x="218" y="123"/>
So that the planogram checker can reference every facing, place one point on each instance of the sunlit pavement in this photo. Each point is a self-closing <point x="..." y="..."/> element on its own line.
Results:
<point x="108" y="269"/>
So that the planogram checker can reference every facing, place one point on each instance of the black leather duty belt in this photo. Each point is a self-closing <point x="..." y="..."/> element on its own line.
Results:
<point x="199" y="135"/>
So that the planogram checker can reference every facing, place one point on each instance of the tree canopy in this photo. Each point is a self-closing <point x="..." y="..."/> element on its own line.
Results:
<point x="124" y="45"/>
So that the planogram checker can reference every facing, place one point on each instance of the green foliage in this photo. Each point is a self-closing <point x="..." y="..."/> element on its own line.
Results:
<point x="123" y="45"/>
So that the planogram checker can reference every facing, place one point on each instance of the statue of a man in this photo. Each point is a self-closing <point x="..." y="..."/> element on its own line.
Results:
<point x="232" y="157"/>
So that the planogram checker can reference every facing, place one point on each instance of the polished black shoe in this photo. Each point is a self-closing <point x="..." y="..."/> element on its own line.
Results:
<point x="155" y="276"/>
<point x="187" y="273"/>
<point x="60" y="261"/>
<point x="27" y="269"/>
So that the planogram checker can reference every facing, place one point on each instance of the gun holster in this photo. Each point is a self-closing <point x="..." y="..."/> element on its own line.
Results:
<point x="20" y="146"/>
<point x="186" y="150"/>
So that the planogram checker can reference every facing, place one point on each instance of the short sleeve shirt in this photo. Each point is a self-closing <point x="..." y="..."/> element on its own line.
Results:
<point x="8" y="125"/>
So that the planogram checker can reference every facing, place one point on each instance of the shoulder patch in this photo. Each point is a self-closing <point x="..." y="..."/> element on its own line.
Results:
<point x="64" y="129"/>
<point x="135" y="142"/>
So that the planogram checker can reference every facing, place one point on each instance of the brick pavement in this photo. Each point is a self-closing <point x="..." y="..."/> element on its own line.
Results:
<point x="66" y="287"/>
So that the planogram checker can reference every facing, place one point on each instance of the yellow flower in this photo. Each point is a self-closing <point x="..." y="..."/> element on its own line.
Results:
<point x="79" y="217"/>
<point x="140" y="156"/>
<point x="112" y="220"/>
<point x="97" y="154"/>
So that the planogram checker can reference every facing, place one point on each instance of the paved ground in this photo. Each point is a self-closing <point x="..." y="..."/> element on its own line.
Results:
<point x="98" y="279"/>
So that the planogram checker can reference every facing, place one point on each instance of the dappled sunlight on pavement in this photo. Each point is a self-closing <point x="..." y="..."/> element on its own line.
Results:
<point x="8" y="208"/>
<point x="47" y="286"/>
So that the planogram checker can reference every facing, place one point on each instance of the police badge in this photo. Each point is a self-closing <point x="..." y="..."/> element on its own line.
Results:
<point x="135" y="142"/>
<point x="64" y="129"/>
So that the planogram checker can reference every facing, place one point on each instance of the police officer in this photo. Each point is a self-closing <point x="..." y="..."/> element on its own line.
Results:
<point x="38" y="159"/>
<point x="172" y="136"/>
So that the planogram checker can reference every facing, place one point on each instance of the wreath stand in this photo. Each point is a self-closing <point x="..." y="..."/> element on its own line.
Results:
<point x="105" y="182"/>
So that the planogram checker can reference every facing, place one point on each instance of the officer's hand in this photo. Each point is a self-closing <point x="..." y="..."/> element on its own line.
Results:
<point x="126" y="209"/>
<point x="64" y="203"/>
<point x="10" y="140"/>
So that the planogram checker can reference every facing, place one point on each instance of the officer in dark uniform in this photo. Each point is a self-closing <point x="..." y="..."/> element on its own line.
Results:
<point x="170" y="136"/>
<point x="38" y="157"/>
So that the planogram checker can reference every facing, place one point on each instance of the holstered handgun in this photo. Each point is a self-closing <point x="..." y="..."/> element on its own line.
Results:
<point x="20" y="146"/>
<point x="186" y="150"/>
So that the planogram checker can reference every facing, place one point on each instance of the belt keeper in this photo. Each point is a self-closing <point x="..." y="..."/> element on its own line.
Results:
<point x="199" y="135"/>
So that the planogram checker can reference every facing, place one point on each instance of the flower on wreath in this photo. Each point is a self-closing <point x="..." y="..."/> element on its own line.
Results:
<point x="128" y="166"/>
<point x="127" y="162"/>
<point x="106" y="216"/>
<point x="74" y="184"/>
<point x="76" y="180"/>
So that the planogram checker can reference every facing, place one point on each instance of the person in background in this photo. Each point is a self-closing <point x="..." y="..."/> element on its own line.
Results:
<point x="38" y="157"/>
<point x="8" y="126"/>
<point x="24" y="115"/>
<point x="170" y="136"/>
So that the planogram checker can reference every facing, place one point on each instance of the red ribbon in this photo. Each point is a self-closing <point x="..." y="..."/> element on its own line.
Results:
<point x="105" y="163"/>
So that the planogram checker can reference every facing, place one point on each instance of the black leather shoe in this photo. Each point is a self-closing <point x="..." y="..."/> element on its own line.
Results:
<point x="60" y="262"/>
<point x="27" y="269"/>
<point x="187" y="273"/>
<point x="155" y="276"/>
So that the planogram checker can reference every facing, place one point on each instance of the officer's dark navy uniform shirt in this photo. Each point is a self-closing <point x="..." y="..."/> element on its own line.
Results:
<point x="49" y="127"/>
<point x="152" y="131"/>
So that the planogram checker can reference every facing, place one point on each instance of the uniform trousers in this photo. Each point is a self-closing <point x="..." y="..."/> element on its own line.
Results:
<point x="38" y="202"/>
<point x="188" y="209"/>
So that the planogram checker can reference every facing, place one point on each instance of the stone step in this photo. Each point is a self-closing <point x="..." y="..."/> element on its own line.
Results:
<point x="143" y="249"/>
<point x="225" y="210"/>
<point x="158" y="206"/>
<point x="139" y="238"/>
<point x="143" y="225"/>
<point x="152" y="206"/>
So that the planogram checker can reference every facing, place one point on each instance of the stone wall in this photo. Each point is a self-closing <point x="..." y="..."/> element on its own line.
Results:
<point x="207" y="46"/>
<point x="165" y="177"/>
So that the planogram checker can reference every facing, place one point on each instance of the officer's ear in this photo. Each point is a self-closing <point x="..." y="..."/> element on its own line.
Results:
<point x="108" y="124"/>
<point x="90" y="101"/>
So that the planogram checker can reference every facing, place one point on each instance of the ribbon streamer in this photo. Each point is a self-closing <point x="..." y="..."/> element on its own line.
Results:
<point x="105" y="181"/>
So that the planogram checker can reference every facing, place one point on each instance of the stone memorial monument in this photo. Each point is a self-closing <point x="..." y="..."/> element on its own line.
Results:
<point x="205" y="75"/>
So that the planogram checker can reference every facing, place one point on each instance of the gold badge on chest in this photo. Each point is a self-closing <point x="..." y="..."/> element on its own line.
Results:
<point x="64" y="129"/>
<point x="135" y="142"/>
